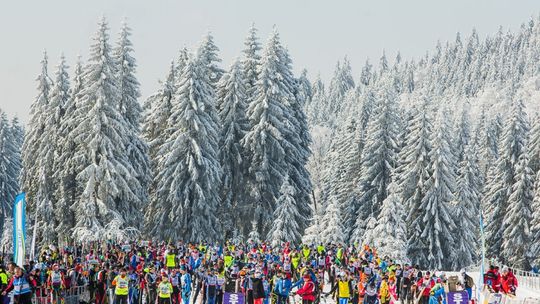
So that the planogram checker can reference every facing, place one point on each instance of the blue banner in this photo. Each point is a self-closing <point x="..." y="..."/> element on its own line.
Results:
<point x="19" y="229"/>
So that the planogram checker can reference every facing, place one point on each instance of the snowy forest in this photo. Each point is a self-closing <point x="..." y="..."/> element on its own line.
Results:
<point x="413" y="156"/>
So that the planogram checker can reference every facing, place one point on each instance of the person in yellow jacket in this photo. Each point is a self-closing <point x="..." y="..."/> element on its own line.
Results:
<point x="344" y="289"/>
<point x="3" y="277"/>
<point x="384" y="292"/>
<point x="165" y="289"/>
<point x="306" y="252"/>
<point x="170" y="259"/>
<point x="228" y="259"/>
<point x="121" y="287"/>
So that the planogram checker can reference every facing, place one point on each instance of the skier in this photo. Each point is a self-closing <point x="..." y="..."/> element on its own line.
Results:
<point x="492" y="279"/>
<point x="165" y="289"/>
<point x="22" y="286"/>
<point x="282" y="287"/>
<point x="509" y="281"/>
<point x="424" y="287"/>
<point x="307" y="292"/>
<point x="466" y="282"/>
<point x="344" y="289"/>
<point x="121" y="290"/>
<point x="55" y="283"/>
<point x="185" y="283"/>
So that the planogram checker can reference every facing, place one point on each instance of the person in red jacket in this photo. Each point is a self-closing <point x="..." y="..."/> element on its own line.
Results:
<point x="509" y="281"/>
<point x="492" y="279"/>
<point x="307" y="292"/>
<point x="424" y="286"/>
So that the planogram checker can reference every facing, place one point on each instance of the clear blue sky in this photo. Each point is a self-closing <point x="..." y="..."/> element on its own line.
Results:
<point x="317" y="32"/>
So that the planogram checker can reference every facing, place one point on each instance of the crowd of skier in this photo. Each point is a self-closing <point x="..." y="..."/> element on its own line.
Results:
<point x="141" y="273"/>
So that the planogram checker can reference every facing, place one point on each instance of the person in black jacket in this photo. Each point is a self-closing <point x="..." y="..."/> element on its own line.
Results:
<point x="258" y="288"/>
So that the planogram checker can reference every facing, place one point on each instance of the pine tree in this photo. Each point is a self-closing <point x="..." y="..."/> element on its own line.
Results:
<point x="463" y="133"/>
<point x="516" y="234"/>
<point x="390" y="231"/>
<point x="339" y="85"/>
<point x="297" y="155"/>
<point x="436" y="218"/>
<point x="32" y="141"/>
<point x="332" y="225"/>
<point x="66" y="166"/>
<point x="305" y="92"/>
<point x="266" y="142"/>
<point x="107" y="178"/>
<point x="501" y="178"/>
<point x="379" y="157"/>
<point x="467" y="208"/>
<point x="181" y="62"/>
<point x="232" y="104"/>
<point x="190" y="172"/>
<point x="534" y="144"/>
<point x="49" y="151"/>
<point x="314" y="109"/>
<point x="285" y="228"/>
<point x="128" y="105"/>
<point x="10" y="165"/>
<point x="251" y="61"/>
<point x="157" y="111"/>
<point x="207" y="54"/>
<point x="535" y="224"/>
<point x="413" y="174"/>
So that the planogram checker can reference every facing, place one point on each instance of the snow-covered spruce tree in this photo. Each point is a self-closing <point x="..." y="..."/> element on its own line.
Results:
<point x="251" y="61"/>
<point x="128" y="104"/>
<point x="391" y="232"/>
<point x="49" y="150"/>
<point x="157" y="110"/>
<point x="189" y="173"/>
<point x="413" y="174"/>
<point x="501" y="178"/>
<point x="535" y="224"/>
<point x="181" y="62"/>
<point x="108" y="180"/>
<point x="32" y="140"/>
<point x="339" y="85"/>
<point x="339" y="182"/>
<point x="369" y="235"/>
<point x="66" y="166"/>
<point x="305" y="92"/>
<point x="379" y="157"/>
<point x="332" y="224"/>
<point x="436" y="218"/>
<point x="285" y="228"/>
<point x="516" y="240"/>
<point x="314" y="109"/>
<point x="463" y="129"/>
<point x="366" y="76"/>
<point x="534" y="144"/>
<point x="10" y="164"/>
<point x="254" y="236"/>
<point x="207" y="54"/>
<point x="232" y="105"/>
<point x="467" y="209"/>
<point x="266" y="142"/>
<point x="297" y="155"/>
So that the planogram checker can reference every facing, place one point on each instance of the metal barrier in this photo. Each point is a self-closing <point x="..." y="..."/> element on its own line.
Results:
<point x="73" y="295"/>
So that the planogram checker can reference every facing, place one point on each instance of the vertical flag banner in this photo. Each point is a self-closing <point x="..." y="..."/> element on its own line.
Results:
<point x="480" y="283"/>
<point x="19" y="229"/>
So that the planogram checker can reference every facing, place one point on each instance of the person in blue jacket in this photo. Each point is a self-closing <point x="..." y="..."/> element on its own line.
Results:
<point x="282" y="287"/>
<point x="185" y="284"/>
